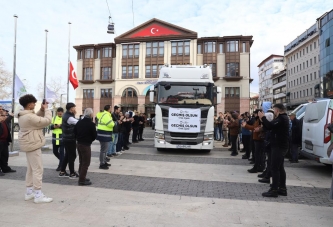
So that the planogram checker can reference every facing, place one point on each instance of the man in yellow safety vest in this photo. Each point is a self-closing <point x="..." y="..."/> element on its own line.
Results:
<point x="104" y="135"/>
<point x="58" y="146"/>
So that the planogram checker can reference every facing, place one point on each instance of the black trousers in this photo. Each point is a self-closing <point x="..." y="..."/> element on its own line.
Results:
<point x="84" y="160"/>
<point x="278" y="171"/>
<point x="246" y="139"/>
<point x="135" y="133"/>
<point x="253" y="149"/>
<point x="233" y="143"/>
<point x="58" y="151"/>
<point x="140" y="133"/>
<point x="259" y="154"/>
<point x="70" y="156"/>
<point x="268" y="151"/>
<point x="4" y="156"/>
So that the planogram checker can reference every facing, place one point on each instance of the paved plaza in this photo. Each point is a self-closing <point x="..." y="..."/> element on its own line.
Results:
<point x="145" y="187"/>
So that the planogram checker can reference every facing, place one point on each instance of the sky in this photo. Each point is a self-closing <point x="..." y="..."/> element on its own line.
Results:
<point x="273" y="24"/>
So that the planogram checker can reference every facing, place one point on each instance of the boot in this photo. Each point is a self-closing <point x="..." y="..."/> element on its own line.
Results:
<point x="225" y="145"/>
<point x="282" y="191"/>
<point x="271" y="193"/>
<point x="253" y="170"/>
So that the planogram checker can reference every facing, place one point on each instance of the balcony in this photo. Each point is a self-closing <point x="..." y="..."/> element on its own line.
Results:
<point x="87" y="81"/>
<point x="280" y="84"/>
<point x="232" y="78"/>
<point x="279" y="95"/>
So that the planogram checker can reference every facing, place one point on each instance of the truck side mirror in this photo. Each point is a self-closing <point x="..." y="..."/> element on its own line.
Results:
<point x="152" y="93"/>
<point x="218" y="95"/>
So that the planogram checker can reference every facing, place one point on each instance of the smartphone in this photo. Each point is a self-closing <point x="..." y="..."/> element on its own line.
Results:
<point x="44" y="101"/>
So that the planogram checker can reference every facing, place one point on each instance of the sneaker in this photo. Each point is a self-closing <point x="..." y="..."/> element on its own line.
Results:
<point x="262" y="175"/>
<point x="245" y="157"/>
<point x="282" y="191"/>
<point x="234" y="153"/>
<point x="115" y="154"/>
<point x="74" y="176"/>
<point x="109" y="155"/>
<point x="264" y="180"/>
<point x="271" y="193"/>
<point x="64" y="174"/>
<point x="119" y="153"/>
<point x="85" y="183"/>
<point x="126" y="148"/>
<point x="107" y="164"/>
<point x="253" y="170"/>
<point x="29" y="197"/>
<point x="104" y="166"/>
<point x="107" y="159"/>
<point x="43" y="199"/>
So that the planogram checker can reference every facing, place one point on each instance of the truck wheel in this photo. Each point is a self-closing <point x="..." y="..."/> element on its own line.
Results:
<point x="160" y="149"/>
<point x="206" y="151"/>
<point x="16" y="128"/>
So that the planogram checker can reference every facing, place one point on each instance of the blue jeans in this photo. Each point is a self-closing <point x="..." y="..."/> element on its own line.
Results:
<point x="220" y="134"/>
<point x="120" y="143"/>
<point x="216" y="133"/>
<point x="113" y="144"/>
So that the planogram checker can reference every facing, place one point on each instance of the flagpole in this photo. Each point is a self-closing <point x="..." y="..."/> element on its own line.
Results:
<point x="69" y="54"/>
<point x="45" y="63"/>
<point x="13" y="93"/>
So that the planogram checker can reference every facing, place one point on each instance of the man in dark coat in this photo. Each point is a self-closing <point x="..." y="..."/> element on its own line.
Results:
<point x="5" y="139"/>
<point x="85" y="133"/>
<point x="296" y="137"/>
<point x="279" y="147"/>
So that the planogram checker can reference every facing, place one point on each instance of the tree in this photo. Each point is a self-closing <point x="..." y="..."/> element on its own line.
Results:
<point x="5" y="82"/>
<point x="57" y="86"/>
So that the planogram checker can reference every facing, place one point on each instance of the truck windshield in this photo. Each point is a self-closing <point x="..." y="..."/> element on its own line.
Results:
<point x="185" y="94"/>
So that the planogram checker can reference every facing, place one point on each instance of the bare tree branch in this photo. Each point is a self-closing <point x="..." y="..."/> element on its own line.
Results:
<point x="55" y="85"/>
<point x="5" y="82"/>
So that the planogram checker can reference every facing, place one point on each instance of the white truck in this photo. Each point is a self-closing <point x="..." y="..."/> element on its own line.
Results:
<point x="185" y="97"/>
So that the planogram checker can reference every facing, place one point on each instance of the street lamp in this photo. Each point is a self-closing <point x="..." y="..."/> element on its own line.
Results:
<point x="61" y="98"/>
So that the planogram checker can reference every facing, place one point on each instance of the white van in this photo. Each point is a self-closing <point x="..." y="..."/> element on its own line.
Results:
<point x="300" y="111"/>
<point x="315" y="136"/>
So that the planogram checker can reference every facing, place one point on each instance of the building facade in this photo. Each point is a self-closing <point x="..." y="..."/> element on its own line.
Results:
<point x="266" y="69"/>
<point x="302" y="65"/>
<point x="121" y="73"/>
<point x="254" y="102"/>
<point x="325" y="24"/>
<point x="279" y="79"/>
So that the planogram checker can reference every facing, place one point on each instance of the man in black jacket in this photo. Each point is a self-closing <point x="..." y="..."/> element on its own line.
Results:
<point x="279" y="147"/>
<point x="5" y="139"/>
<point x="135" y="127"/>
<point x="68" y="137"/>
<point x="85" y="132"/>
<point x="296" y="137"/>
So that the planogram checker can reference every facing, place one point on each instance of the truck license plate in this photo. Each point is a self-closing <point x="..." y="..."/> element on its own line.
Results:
<point x="184" y="146"/>
<point x="309" y="146"/>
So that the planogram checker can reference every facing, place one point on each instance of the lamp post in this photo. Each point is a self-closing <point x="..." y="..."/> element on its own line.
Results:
<point x="61" y="99"/>
<point x="45" y="63"/>
<point x="14" y="73"/>
<point x="69" y="60"/>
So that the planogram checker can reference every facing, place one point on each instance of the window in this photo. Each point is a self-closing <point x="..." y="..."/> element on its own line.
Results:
<point x="129" y="92"/>
<point x="244" y="47"/>
<point x="210" y="47"/>
<point x="310" y="47"/>
<point x="315" y="75"/>
<point x="79" y="53"/>
<point x="220" y="47"/>
<point x="87" y="74"/>
<point x="155" y="49"/>
<point x="232" y="69"/>
<point x="297" y="68"/>
<point x="98" y="54"/>
<point x="136" y="71"/>
<point x="152" y="71"/>
<point x="213" y="67"/>
<point x="297" y="81"/>
<point x="88" y="93"/>
<point x="314" y="45"/>
<point x="300" y="67"/>
<point x="130" y="72"/>
<point x="180" y="48"/>
<point x="232" y="92"/>
<point x="310" y="62"/>
<point x="315" y="60"/>
<point x="300" y="53"/>
<point x="307" y="64"/>
<point x="303" y="52"/>
<point x="311" y="76"/>
<point x="199" y="49"/>
<point x="89" y="53"/>
<point x="232" y="46"/>
<point x="124" y="72"/>
<point x="106" y="73"/>
<point x="106" y="93"/>
<point x="107" y="52"/>
<point x="130" y="50"/>
<point x="303" y="79"/>
<point x="307" y="49"/>
<point x="310" y="91"/>
<point x="297" y="55"/>
<point x="303" y="65"/>
<point x="307" y="92"/>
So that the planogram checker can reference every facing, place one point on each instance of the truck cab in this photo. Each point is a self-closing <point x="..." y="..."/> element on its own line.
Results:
<point x="185" y="98"/>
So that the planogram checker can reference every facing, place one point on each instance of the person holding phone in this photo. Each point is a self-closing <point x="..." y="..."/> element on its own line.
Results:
<point x="5" y="139"/>
<point x="58" y="146"/>
<point x="31" y="139"/>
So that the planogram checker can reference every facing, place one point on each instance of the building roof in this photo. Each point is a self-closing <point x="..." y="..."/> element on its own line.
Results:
<point x="269" y="58"/>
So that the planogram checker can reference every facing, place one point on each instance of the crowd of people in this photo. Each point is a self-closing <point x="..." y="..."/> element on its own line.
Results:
<point x="266" y="138"/>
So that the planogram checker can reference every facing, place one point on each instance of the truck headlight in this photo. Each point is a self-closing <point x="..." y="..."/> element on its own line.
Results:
<point x="208" y="137"/>
<point x="159" y="136"/>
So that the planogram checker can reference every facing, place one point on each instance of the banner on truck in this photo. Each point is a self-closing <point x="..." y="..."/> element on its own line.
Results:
<point x="184" y="120"/>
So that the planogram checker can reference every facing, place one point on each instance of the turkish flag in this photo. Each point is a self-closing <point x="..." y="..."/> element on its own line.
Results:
<point x="155" y="30"/>
<point x="72" y="77"/>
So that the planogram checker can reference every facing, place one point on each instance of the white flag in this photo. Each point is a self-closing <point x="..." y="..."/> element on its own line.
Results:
<point x="51" y="96"/>
<point x="19" y="89"/>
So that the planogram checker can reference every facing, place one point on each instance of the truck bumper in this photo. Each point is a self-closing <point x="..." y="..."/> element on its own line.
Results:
<point x="206" y="145"/>
<point x="315" y="157"/>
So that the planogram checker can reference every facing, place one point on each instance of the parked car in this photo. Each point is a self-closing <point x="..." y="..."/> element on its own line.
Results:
<point x="153" y="123"/>
<point x="315" y="134"/>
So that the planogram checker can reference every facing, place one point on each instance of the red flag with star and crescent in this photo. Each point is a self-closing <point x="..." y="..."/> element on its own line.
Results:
<point x="72" y="77"/>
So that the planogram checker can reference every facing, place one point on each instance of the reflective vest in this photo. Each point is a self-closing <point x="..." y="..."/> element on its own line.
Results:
<point x="99" y="115"/>
<point x="58" y="131"/>
<point x="105" y="127"/>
